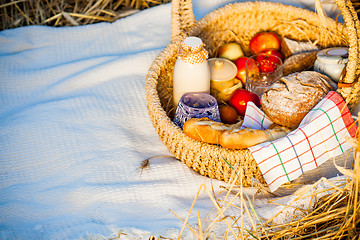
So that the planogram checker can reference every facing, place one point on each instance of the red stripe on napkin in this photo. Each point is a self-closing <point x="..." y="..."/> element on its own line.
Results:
<point x="345" y="113"/>
<point x="307" y="139"/>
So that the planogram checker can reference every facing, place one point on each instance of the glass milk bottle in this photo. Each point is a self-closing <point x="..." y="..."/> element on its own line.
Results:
<point x="191" y="71"/>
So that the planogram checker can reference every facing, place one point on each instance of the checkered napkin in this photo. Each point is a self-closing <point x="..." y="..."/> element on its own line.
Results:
<point x="322" y="134"/>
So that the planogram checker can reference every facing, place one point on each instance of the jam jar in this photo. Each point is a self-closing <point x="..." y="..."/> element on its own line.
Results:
<point x="223" y="78"/>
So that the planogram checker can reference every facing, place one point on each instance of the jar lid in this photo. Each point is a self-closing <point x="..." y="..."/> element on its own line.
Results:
<point x="192" y="50"/>
<point x="222" y="69"/>
<point x="336" y="55"/>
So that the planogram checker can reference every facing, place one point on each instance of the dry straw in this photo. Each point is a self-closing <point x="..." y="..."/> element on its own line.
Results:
<point x="17" y="13"/>
<point x="331" y="212"/>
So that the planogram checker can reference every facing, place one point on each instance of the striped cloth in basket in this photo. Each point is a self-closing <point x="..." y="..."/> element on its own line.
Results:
<point x="323" y="134"/>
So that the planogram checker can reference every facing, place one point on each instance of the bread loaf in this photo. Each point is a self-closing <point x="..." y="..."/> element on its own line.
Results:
<point x="299" y="62"/>
<point x="287" y="101"/>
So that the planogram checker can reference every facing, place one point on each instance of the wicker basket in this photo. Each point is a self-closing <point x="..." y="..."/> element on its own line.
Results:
<point x="239" y="22"/>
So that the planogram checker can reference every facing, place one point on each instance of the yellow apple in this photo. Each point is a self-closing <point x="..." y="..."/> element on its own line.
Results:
<point x="231" y="51"/>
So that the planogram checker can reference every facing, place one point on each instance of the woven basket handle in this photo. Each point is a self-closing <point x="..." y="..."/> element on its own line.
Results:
<point x="182" y="17"/>
<point x="352" y="24"/>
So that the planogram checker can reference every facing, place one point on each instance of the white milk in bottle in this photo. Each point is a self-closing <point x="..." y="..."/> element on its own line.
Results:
<point x="191" y="71"/>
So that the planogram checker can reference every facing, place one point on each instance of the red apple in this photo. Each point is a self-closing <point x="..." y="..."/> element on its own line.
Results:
<point x="267" y="63"/>
<point x="241" y="68"/>
<point x="230" y="51"/>
<point x="273" y="52"/>
<point x="264" y="40"/>
<point x="239" y="99"/>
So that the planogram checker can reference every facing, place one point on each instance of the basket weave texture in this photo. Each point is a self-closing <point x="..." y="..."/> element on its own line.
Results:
<point x="239" y="22"/>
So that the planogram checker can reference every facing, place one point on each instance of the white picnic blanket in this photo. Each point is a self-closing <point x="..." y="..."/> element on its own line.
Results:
<point x="74" y="131"/>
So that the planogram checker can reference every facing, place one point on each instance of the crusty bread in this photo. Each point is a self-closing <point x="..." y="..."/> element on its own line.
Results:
<point x="287" y="101"/>
<point x="247" y="137"/>
<point x="230" y="136"/>
<point x="204" y="129"/>
<point x="299" y="62"/>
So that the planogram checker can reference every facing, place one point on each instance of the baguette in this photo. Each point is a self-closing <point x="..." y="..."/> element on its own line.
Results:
<point x="230" y="136"/>
<point x="206" y="130"/>
<point x="247" y="137"/>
